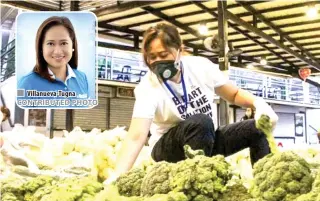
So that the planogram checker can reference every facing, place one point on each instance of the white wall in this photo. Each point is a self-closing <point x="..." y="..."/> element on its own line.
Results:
<point x="312" y="117"/>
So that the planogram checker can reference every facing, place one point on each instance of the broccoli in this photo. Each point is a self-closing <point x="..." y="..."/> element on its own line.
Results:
<point x="44" y="188"/>
<point x="71" y="189"/>
<point x="129" y="184"/>
<point x="281" y="177"/>
<point x="111" y="193"/>
<point x="314" y="194"/>
<point x="201" y="178"/>
<point x="171" y="196"/>
<point x="156" y="181"/>
<point x="316" y="183"/>
<point x="13" y="183"/>
<point x="12" y="188"/>
<point x="235" y="192"/>
<point x="190" y="153"/>
<point x="264" y="124"/>
<point x="9" y="196"/>
<point x="37" y="182"/>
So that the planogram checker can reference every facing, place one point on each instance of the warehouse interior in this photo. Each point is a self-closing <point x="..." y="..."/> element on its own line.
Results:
<point x="262" y="46"/>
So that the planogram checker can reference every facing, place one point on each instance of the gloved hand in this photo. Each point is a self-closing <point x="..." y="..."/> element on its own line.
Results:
<point x="263" y="108"/>
<point x="111" y="179"/>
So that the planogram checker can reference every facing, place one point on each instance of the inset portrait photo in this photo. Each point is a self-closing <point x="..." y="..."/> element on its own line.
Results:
<point x="56" y="60"/>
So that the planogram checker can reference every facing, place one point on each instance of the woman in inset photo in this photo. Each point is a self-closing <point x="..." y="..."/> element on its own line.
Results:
<point x="56" y="60"/>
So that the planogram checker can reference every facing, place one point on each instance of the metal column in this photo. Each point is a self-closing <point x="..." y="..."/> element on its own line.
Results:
<point x="223" y="59"/>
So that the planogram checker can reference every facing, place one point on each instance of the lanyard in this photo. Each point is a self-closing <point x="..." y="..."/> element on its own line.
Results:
<point x="185" y="95"/>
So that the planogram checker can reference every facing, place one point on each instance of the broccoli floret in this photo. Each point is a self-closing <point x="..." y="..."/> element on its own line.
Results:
<point x="37" y="182"/>
<point x="254" y="199"/>
<point x="190" y="153"/>
<point x="314" y="194"/>
<point x="156" y="181"/>
<point x="281" y="177"/>
<point x="200" y="178"/>
<point x="264" y="124"/>
<point x="316" y="183"/>
<point x="9" y="196"/>
<point x="111" y="193"/>
<point x="68" y="189"/>
<point x="13" y="183"/>
<point x="129" y="184"/>
<point x="171" y="196"/>
<point x="12" y="187"/>
<point x="235" y="192"/>
<point x="86" y="197"/>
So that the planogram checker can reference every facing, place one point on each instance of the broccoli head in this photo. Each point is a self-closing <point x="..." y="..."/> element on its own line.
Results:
<point x="314" y="194"/>
<point x="111" y="193"/>
<point x="235" y="192"/>
<point x="34" y="183"/>
<point x="156" y="180"/>
<point x="190" y="153"/>
<point x="171" y="196"/>
<point x="129" y="184"/>
<point x="200" y="178"/>
<point x="12" y="187"/>
<point x="9" y="196"/>
<point x="264" y="124"/>
<point x="281" y="177"/>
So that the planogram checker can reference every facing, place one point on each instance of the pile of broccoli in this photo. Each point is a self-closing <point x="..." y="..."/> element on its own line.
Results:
<point x="281" y="177"/>
<point x="111" y="193"/>
<point x="314" y="194"/>
<point x="198" y="178"/>
<point x="46" y="188"/>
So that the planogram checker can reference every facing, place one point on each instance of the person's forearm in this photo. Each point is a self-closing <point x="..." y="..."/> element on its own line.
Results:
<point x="127" y="155"/>
<point x="244" y="99"/>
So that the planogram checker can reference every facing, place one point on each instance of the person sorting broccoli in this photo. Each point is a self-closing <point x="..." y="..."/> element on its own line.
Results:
<point x="174" y="101"/>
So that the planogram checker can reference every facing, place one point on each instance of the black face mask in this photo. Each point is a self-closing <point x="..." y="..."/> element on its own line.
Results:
<point x="165" y="69"/>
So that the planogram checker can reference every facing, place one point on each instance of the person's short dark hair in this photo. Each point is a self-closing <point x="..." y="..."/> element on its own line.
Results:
<point x="168" y="34"/>
<point x="5" y="111"/>
<point x="41" y="65"/>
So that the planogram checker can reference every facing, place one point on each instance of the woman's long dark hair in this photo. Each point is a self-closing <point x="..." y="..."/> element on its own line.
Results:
<point x="41" y="66"/>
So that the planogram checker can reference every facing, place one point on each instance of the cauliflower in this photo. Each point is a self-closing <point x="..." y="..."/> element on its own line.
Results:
<point x="156" y="180"/>
<point x="129" y="184"/>
<point x="281" y="177"/>
<point x="201" y="178"/>
<point x="264" y="124"/>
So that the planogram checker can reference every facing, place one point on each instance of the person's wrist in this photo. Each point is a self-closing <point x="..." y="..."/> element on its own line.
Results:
<point x="258" y="102"/>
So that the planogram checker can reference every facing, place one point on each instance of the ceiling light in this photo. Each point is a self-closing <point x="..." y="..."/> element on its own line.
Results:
<point x="263" y="61"/>
<point x="203" y="29"/>
<point x="250" y="66"/>
<point x="312" y="12"/>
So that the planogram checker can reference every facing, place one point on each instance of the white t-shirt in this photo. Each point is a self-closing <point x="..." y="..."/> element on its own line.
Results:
<point x="154" y="100"/>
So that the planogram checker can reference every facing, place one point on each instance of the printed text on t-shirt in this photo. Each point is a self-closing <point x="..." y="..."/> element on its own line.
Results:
<point x="197" y="101"/>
